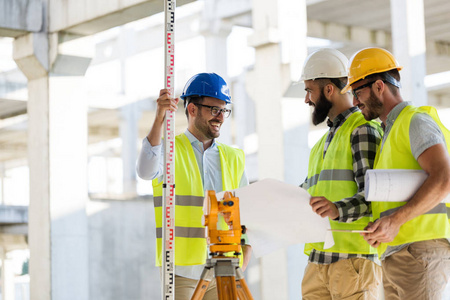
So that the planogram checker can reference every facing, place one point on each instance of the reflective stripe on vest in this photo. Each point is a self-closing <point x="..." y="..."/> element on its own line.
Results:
<point x="332" y="177"/>
<point x="441" y="208"/>
<point x="189" y="232"/>
<point x="397" y="154"/>
<point x="338" y="175"/>
<point x="182" y="201"/>
<point x="185" y="232"/>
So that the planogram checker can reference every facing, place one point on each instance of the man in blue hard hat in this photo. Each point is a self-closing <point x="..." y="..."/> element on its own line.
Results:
<point x="201" y="163"/>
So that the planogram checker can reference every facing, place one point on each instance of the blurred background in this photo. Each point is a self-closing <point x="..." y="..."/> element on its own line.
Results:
<point x="78" y="84"/>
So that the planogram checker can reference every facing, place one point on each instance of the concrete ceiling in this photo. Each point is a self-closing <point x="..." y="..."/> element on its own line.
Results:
<point x="324" y="17"/>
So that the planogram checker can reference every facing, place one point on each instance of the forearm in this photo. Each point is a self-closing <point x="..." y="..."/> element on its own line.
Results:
<point x="436" y="163"/>
<point x="149" y="162"/>
<point x="155" y="134"/>
<point x="353" y="208"/>
<point x="430" y="194"/>
<point x="247" y="254"/>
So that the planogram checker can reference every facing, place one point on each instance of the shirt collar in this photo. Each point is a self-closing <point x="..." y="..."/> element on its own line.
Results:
<point x="342" y="117"/>
<point x="393" y="114"/>
<point x="195" y="142"/>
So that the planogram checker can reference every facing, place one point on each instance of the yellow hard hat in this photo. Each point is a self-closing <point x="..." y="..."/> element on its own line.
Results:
<point x="369" y="61"/>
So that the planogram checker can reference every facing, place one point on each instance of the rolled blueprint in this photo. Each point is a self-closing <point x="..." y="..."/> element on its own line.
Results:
<point x="394" y="185"/>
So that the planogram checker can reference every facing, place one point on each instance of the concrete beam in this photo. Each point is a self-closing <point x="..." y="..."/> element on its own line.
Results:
<point x="349" y="34"/>
<point x="13" y="214"/>
<point x="11" y="242"/>
<point x="16" y="229"/>
<point x="89" y="17"/>
<point x="18" y="17"/>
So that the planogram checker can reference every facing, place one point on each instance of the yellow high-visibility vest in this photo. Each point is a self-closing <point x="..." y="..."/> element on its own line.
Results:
<point x="332" y="177"/>
<point x="190" y="242"/>
<point x="397" y="154"/>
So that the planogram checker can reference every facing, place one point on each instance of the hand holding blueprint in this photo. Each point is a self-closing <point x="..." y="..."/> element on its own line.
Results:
<point x="394" y="185"/>
<point x="278" y="215"/>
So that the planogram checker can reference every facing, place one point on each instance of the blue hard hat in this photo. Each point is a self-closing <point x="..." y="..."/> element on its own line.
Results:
<point x="207" y="85"/>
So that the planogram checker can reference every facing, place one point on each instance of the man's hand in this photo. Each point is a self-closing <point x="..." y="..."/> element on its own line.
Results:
<point x="383" y="230"/>
<point x="324" y="207"/>
<point x="165" y="102"/>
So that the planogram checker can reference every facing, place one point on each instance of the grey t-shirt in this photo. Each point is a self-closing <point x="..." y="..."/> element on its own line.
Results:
<point x="423" y="133"/>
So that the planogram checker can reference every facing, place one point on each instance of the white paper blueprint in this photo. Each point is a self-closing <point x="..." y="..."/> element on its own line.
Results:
<point x="278" y="215"/>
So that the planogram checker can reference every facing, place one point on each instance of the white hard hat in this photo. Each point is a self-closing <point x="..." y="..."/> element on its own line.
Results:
<point x="325" y="63"/>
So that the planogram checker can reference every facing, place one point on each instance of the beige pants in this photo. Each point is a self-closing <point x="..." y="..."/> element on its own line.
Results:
<point x="418" y="271"/>
<point x="185" y="287"/>
<point x="355" y="278"/>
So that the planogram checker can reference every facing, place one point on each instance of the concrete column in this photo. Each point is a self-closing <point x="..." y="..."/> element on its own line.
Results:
<point x="57" y="156"/>
<point x="265" y="86"/>
<point x="216" y="31"/>
<point x="129" y="119"/>
<point x="295" y="113"/>
<point x="409" y="47"/>
<point x="282" y="123"/>
<point x="7" y="274"/>
<point x="2" y="183"/>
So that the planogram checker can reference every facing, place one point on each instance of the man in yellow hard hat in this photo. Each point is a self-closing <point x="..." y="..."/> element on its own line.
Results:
<point x="412" y="238"/>
<point x="337" y="165"/>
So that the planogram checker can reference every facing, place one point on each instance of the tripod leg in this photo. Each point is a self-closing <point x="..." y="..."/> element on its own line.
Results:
<point x="241" y="285"/>
<point x="226" y="288"/>
<point x="203" y="284"/>
<point x="200" y="290"/>
<point x="243" y="290"/>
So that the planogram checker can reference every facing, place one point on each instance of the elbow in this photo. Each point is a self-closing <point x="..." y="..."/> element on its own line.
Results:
<point x="141" y="174"/>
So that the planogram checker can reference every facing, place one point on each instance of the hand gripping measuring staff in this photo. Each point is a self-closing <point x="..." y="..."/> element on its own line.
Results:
<point x="168" y="227"/>
<point x="230" y="280"/>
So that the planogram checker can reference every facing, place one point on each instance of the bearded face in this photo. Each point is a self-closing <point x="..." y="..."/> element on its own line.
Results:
<point x="321" y="109"/>
<point x="208" y="125"/>
<point x="371" y="109"/>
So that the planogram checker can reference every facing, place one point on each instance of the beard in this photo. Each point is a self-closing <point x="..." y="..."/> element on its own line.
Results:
<point x="373" y="107"/>
<point x="321" y="109"/>
<point x="203" y="127"/>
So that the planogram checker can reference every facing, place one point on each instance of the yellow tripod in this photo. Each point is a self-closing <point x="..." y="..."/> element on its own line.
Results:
<point x="230" y="280"/>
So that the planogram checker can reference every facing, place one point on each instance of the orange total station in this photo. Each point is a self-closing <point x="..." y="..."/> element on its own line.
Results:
<point x="217" y="215"/>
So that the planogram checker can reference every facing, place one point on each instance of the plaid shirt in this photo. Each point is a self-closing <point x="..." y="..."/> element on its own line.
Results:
<point x="365" y="141"/>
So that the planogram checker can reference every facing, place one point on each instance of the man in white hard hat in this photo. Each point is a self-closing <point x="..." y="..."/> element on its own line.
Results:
<point x="337" y="165"/>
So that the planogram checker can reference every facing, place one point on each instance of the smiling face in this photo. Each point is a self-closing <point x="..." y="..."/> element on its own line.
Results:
<point x="204" y="125"/>
<point x="365" y="99"/>
<point x="316" y="97"/>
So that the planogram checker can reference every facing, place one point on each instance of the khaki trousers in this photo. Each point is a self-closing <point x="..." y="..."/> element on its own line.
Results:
<point x="185" y="287"/>
<point x="418" y="271"/>
<point x="354" y="278"/>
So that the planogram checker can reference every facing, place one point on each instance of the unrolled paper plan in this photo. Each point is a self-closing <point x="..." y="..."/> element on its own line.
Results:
<point x="278" y="215"/>
<point x="394" y="185"/>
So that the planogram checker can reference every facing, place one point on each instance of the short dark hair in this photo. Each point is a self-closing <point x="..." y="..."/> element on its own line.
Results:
<point x="387" y="78"/>
<point x="338" y="82"/>
<point x="193" y="100"/>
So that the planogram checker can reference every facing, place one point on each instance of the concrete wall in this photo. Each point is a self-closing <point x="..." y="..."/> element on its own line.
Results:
<point x="122" y="251"/>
